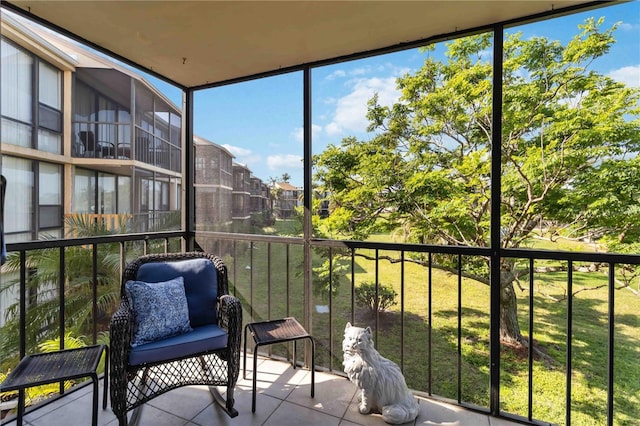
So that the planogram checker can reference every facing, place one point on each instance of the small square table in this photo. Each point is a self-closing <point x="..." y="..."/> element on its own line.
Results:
<point x="276" y="331"/>
<point x="51" y="367"/>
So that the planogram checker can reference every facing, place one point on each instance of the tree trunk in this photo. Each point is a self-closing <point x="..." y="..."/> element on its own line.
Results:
<point x="509" y="326"/>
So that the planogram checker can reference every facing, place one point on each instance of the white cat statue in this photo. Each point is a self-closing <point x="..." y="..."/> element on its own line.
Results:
<point x="382" y="385"/>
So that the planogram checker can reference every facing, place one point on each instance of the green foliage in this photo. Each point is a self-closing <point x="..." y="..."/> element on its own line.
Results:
<point x="565" y="129"/>
<point x="43" y="287"/>
<point x="70" y="342"/>
<point x="330" y="275"/>
<point x="366" y="296"/>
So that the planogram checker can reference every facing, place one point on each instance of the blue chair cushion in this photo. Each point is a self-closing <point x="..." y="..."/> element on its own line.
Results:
<point x="200" y="285"/>
<point x="200" y="339"/>
<point x="160" y="310"/>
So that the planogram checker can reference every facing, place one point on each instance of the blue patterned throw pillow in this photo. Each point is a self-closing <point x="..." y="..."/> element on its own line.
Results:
<point x="160" y="310"/>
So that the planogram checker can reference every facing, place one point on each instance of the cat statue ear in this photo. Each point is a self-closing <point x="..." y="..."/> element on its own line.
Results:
<point x="348" y="326"/>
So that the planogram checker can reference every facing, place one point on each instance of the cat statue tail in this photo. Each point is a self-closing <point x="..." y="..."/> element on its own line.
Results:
<point x="396" y="414"/>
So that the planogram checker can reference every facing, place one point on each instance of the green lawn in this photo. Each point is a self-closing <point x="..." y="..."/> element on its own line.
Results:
<point x="268" y="297"/>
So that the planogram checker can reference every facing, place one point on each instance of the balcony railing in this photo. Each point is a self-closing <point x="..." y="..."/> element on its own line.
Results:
<point x="156" y="151"/>
<point x="102" y="139"/>
<point x="438" y="332"/>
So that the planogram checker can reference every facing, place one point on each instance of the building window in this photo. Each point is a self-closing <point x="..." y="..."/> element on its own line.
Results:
<point x="50" y="195"/>
<point x="17" y="95"/>
<point x="101" y="126"/>
<point x="124" y="194"/>
<point x="158" y="130"/>
<point x="101" y="193"/>
<point x="31" y="100"/>
<point x="107" y="193"/>
<point x="32" y="183"/>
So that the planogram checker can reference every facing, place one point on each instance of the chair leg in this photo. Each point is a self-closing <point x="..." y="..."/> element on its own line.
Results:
<point x="313" y="367"/>
<point x="225" y="404"/>
<point x="135" y="416"/>
<point x="244" y="355"/>
<point x="105" y="380"/>
<point x="294" y="354"/>
<point x="254" y="379"/>
<point x="94" y="413"/>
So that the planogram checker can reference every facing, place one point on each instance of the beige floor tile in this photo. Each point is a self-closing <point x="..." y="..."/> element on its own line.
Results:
<point x="288" y="414"/>
<point x="277" y="379"/>
<point x="332" y="394"/>
<point x="283" y="399"/>
<point x="185" y="402"/>
<point x="439" y="413"/>
<point x="213" y="415"/>
<point x="152" y="416"/>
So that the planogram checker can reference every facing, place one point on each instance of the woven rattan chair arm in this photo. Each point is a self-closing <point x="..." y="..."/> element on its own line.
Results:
<point x="120" y="341"/>
<point x="230" y="315"/>
<point x="230" y="319"/>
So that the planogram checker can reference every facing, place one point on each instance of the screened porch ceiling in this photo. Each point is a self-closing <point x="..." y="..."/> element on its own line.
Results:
<point x="196" y="43"/>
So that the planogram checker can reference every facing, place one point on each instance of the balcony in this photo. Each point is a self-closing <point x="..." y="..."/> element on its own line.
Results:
<point x="282" y="399"/>
<point x="445" y="329"/>
<point x="257" y="265"/>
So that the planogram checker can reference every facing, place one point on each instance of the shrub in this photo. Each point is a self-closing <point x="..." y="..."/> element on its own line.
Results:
<point x="366" y="296"/>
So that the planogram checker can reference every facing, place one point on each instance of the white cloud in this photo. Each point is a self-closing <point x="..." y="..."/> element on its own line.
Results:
<point x="237" y="151"/>
<point x="244" y="156"/>
<point x="626" y="26"/>
<point x="628" y="75"/>
<point x="333" y="129"/>
<point x="336" y="74"/>
<point x="284" y="162"/>
<point x="298" y="133"/>
<point x="351" y="110"/>
<point x="359" y="71"/>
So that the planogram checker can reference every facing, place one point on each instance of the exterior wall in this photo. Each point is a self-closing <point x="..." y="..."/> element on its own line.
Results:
<point x="133" y="166"/>
<point x="36" y="96"/>
<point x="241" y="196"/>
<point x="259" y="196"/>
<point x="145" y="189"/>
<point x="213" y="185"/>
<point x="288" y="198"/>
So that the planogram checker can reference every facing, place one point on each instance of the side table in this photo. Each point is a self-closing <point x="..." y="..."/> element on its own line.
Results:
<point x="276" y="331"/>
<point x="51" y="367"/>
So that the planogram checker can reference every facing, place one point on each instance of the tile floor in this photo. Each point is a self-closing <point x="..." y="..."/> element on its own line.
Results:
<point x="283" y="400"/>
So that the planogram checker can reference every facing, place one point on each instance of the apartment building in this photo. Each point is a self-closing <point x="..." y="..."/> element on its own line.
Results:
<point x="82" y="135"/>
<point x="213" y="185"/>
<point x="288" y="198"/>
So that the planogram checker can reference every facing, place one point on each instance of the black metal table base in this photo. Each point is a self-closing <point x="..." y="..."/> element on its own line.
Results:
<point x="58" y="366"/>
<point x="276" y="331"/>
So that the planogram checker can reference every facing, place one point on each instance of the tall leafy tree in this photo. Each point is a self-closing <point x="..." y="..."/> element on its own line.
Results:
<point x="565" y="127"/>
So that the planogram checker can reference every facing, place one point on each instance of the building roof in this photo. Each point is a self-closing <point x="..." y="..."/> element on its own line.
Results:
<point x="195" y="43"/>
<point x="199" y="140"/>
<point x="15" y="29"/>
<point x="78" y="55"/>
<point x="286" y="186"/>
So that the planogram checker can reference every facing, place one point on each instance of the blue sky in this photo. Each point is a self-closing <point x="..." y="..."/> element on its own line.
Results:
<point x="260" y="121"/>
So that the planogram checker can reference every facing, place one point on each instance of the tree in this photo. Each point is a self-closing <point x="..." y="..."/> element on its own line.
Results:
<point x="563" y="125"/>
<point x="42" y="316"/>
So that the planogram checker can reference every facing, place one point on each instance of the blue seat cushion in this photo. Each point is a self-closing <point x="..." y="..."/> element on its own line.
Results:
<point x="200" y="285"/>
<point x="200" y="339"/>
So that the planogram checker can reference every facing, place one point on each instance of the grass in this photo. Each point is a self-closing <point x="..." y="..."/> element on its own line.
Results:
<point x="437" y="358"/>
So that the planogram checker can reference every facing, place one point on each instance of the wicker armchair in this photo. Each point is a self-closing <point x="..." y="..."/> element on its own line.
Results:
<point x="208" y="354"/>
